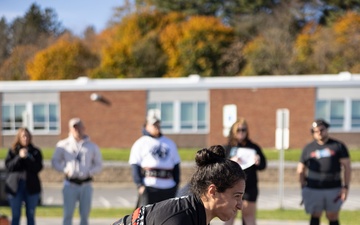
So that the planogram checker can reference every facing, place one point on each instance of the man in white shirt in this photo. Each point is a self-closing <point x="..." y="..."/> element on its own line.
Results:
<point x="155" y="164"/>
<point x="79" y="159"/>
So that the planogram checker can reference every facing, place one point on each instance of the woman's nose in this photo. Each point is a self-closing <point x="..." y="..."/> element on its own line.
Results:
<point x="239" y="205"/>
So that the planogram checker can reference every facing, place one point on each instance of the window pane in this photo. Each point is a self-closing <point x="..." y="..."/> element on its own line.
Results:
<point x="201" y="116"/>
<point x="53" y="117"/>
<point x="39" y="117"/>
<point x="6" y="117"/>
<point x="167" y="115"/>
<point x="152" y="106"/>
<point x="19" y="111"/>
<point x="321" y="109"/>
<point x="337" y="109"/>
<point x="355" y="114"/>
<point x="187" y="115"/>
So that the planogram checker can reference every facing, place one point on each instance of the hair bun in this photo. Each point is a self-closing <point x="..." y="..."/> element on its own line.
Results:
<point x="212" y="155"/>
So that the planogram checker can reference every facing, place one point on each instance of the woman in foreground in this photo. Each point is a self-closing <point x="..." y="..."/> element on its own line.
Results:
<point x="217" y="189"/>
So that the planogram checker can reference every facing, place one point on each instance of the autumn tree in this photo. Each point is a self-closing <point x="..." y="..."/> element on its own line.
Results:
<point x="347" y="40"/>
<point x="270" y="52"/>
<point x="68" y="58"/>
<point x="196" y="46"/>
<point x="23" y="37"/>
<point x="13" y="67"/>
<point x="132" y="48"/>
<point x="330" y="49"/>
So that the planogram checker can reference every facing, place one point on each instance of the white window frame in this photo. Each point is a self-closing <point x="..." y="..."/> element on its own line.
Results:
<point x="28" y="120"/>
<point x="347" y="123"/>
<point x="177" y="117"/>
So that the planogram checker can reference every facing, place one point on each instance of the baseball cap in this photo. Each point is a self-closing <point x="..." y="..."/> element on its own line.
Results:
<point x="320" y="122"/>
<point x="152" y="119"/>
<point x="75" y="121"/>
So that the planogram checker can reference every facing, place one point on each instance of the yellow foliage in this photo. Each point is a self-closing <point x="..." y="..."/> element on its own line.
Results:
<point x="117" y="54"/>
<point x="65" y="59"/>
<point x="193" y="45"/>
<point x="347" y="27"/>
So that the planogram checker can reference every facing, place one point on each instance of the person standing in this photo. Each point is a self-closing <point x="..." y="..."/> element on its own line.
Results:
<point x="155" y="164"/>
<point x="217" y="188"/>
<point x="319" y="171"/>
<point x="251" y="158"/>
<point x="79" y="160"/>
<point x="23" y="162"/>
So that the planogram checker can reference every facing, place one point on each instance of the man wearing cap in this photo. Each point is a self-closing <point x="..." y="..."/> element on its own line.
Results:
<point x="78" y="159"/>
<point x="324" y="188"/>
<point x="155" y="164"/>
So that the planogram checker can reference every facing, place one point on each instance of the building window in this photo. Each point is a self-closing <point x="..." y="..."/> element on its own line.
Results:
<point x="337" y="110"/>
<point x="342" y="114"/>
<point x="12" y="116"/>
<point x="167" y="115"/>
<point x="355" y="114"/>
<point x="182" y="117"/>
<point x="37" y="117"/>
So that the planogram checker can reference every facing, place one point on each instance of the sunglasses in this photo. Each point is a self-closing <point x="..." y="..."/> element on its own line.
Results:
<point x="241" y="130"/>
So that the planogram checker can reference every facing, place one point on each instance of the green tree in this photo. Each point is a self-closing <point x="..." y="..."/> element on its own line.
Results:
<point x="68" y="58"/>
<point x="35" y="27"/>
<point x="4" y="40"/>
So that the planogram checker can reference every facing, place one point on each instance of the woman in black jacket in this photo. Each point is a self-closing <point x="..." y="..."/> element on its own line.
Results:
<point x="251" y="158"/>
<point x="23" y="163"/>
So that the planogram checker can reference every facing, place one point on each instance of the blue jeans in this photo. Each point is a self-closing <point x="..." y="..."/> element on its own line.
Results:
<point x="73" y="193"/>
<point x="31" y="201"/>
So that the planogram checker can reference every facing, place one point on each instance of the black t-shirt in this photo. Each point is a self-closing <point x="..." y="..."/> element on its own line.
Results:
<point x="187" y="210"/>
<point x="323" y="163"/>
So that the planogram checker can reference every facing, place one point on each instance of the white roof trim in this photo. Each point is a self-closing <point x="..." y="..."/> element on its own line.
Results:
<point x="343" y="79"/>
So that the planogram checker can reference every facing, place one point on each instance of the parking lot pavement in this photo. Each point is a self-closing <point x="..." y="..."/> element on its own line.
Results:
<point x="115" y="196"/>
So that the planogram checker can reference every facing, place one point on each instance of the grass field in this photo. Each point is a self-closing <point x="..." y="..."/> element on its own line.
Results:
<point x="115" y="154"/>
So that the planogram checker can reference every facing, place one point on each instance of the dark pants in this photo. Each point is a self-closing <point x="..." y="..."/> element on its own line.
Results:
<point x="152" y="195"/>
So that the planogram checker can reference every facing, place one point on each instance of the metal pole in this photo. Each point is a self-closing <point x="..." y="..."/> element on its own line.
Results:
<point x="281" y="164"/>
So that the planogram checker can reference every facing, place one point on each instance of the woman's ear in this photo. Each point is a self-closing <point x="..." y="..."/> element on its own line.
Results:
<point x="212" y="190"/>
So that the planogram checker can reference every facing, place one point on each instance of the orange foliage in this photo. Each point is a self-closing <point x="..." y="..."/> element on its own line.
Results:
<point x="347" y="27"/>
<point x="194" y="45"/>
<point x="66" y="59"/>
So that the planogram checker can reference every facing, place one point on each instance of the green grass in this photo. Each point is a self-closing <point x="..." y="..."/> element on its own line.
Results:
<point x="347" y="217"/>
<point x="188" y="154"/>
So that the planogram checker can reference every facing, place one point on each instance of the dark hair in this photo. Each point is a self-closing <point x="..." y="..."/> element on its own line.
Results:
<point x="319" y="122"/>
<point x="214" y="168"/>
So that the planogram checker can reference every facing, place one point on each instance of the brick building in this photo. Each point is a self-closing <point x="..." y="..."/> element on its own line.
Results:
<point x="191" y="108"/>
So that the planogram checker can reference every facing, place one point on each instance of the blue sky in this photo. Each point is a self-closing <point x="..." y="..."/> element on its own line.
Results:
<point x="75" y="15"/>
